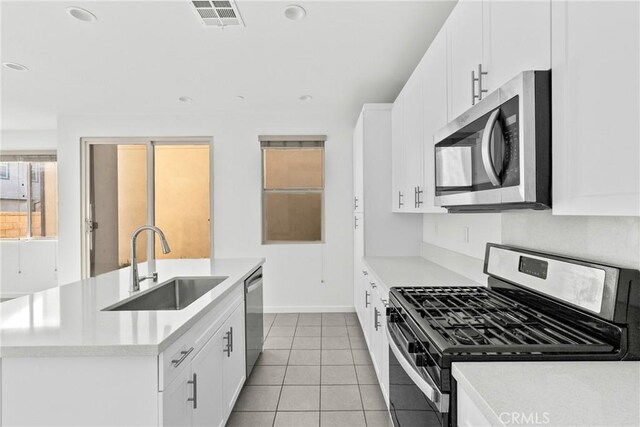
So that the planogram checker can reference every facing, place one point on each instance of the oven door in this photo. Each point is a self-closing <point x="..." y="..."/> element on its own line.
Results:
<point x="414" y="398"/>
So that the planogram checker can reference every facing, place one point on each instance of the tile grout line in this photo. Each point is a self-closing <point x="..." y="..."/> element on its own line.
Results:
<point x="358" y="379"/>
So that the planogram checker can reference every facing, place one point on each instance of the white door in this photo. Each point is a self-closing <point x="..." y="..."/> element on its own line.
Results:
<point x="434" y="94"/>
<point x="464" y="39"/>
<point x="234" y="366"/>
<point x="206" y="387"/>
<point x="176" y="408"/>
<point x="595" y="108"/>
<point x="398" y="197"/>
<point x="413" y="121"/>
<point x="517" y="37"/>
<point x="358" y="166"/>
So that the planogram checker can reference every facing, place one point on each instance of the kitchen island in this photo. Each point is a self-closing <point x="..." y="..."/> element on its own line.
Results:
<point x="548" y="393"/>
<point x="66" y="361"/>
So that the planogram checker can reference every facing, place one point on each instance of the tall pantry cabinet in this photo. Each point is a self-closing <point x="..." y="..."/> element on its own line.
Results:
<point x="377" y="230"/>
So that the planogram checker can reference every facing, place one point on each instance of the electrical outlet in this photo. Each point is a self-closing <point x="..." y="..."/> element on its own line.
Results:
<point x="465" y="234"/>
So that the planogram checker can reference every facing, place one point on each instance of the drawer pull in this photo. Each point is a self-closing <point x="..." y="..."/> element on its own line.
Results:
<point x="184" y="355"/>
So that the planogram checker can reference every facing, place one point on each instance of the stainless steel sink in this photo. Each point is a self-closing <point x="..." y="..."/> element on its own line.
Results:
<point x="174" y="294"/>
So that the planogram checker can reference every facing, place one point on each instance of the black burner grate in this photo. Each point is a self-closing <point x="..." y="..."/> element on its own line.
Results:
<point x="476" y="319"/>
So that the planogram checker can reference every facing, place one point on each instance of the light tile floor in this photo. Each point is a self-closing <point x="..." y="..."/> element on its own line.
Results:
<point x="314" y="371"/>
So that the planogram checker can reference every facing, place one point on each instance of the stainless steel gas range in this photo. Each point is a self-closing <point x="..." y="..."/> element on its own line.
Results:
<point x="536" y="307"/>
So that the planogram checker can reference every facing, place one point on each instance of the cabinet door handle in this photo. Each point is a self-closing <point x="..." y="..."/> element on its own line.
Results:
<point x="373" y="285"/>
<point x="418" y="196"/>
<point x="231" y="338"/>
<point x="480" y="74"/>
<point x="184" y="354"/>
<point x="365" y="272"/>
<point x="227" y="347"/>
<point x="400" y="197"/>
<point x="473" y="88"/>
<point x="366" y="299"/>
<point x="355" y="203"/>
<point x="194" y="399"/>
<point x="355" y="226"/>
<point x="376" y="316"/>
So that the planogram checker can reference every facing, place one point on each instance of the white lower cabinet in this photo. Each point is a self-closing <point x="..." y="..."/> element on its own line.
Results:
<point x="233" y="363"/>
<point x="468" y="413"/>
<point x="371" y="311"/>
<point x="204" y="393"/>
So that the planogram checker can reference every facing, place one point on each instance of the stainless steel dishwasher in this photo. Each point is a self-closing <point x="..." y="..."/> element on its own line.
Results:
<point x="253" y="318"/>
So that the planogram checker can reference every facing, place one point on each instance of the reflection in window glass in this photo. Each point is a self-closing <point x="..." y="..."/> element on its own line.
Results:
<point x="44" y="199"/>
<point x="14" y="200"/>
<point x="182" y="200"/>
<point x="295" y="217"/>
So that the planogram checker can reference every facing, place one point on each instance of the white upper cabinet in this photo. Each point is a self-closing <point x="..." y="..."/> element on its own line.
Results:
<point x="464" y="54"/>
<point x="595" y="108"/>
<point x="413" y="122"/>
<point x="434" y="96"/>
<point x="398" y="158"/>
<point x="516" y="37"/>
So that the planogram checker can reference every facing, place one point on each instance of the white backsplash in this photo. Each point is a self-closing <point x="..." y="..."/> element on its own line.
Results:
<point x="467" y="234"/>
<point x="606" y="239"/>
<point x="610" y="240"/>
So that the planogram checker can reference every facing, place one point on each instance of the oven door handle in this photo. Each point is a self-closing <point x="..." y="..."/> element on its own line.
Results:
<point x="426" y="386"/>
<point x="487" y="160"/>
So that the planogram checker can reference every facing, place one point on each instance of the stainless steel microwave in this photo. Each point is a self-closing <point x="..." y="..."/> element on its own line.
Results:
<point x="497" y="155"/>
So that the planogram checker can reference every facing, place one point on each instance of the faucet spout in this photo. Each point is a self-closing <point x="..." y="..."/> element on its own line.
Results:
<point x="135" y="278"/>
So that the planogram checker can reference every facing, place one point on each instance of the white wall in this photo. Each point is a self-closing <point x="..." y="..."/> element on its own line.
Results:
<point x="27" y="265"/>
<point x="613" y="240"/>
<point x="297" y="277"/>
<point x="28" y="140"/>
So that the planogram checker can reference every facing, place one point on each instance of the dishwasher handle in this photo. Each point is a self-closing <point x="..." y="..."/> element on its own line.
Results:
<point x="253" y="285"/>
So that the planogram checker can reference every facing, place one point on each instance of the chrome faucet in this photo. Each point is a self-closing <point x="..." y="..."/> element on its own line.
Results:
<point x="135" y="278"/>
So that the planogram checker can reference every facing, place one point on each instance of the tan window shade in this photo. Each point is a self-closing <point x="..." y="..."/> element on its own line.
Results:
<point x="293" y="168"/>
<point x="293" y="217"/>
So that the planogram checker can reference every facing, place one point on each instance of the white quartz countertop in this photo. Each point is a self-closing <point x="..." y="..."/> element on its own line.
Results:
<point x="69" y="321"/>
<point x="414" y="271"/>
<point x="569" y="393"/>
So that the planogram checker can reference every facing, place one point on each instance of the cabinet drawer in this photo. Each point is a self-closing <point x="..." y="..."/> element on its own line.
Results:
<point x="179" y="354"/>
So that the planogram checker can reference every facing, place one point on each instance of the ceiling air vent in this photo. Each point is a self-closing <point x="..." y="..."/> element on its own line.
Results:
<point x="218" y="13"/>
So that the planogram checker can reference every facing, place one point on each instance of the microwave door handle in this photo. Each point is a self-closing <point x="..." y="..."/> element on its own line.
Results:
<point x="487" y="161"/>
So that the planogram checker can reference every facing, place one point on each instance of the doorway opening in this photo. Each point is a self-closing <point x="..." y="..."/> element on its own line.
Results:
<point x="129" y="182"/>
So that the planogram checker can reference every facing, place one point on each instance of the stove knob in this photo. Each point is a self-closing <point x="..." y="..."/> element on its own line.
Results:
<point x="413" y="347"/>
<point x="423" y="361"/>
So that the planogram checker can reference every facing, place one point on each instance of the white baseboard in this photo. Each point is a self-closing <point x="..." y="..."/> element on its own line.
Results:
<point x="310" y="309"/>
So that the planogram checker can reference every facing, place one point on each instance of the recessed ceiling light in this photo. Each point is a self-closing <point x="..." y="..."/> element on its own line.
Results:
<point x="295" y="12"/>
<point x="185" y="99"/>
<point x="240" y="98"/>
<point x="15" y="66"/>
<point x="81" y="14"/>
<point x="306" y="97"/>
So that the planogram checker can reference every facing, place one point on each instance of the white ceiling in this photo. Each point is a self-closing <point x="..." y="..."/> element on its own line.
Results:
<point x="141" y="56"/>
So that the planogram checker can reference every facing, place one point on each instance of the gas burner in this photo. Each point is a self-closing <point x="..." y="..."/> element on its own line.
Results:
<point x="469" y="336"/>
<point x="436" y="303"/>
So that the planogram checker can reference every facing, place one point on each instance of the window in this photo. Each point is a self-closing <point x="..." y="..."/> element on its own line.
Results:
<point x="293" y="188"/>
<point x="130" y="182"/>
<point x="28" y="196"/>
<point x="4" y="170"/>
